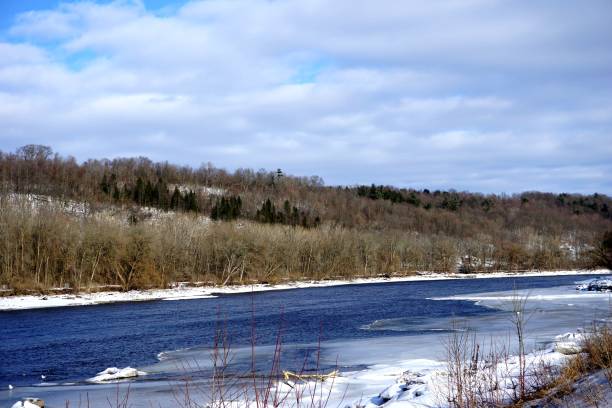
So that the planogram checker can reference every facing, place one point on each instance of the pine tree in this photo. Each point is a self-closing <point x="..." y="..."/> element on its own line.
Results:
<point x="226" y="208"/>
<point x="295" y="216"/>
<point x="190" y="201"/>
<point x="138" y="195"/>
<point x="148" y="194"/>
<point x="116" y="193"/>
<point x="105" y="185"/>
<point x="176" y="199"/>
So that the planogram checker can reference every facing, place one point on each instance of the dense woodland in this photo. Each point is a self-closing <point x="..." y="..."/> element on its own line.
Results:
<point x="135" y="223"/>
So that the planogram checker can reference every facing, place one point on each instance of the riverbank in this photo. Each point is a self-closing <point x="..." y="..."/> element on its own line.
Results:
<point x="489" y="379"/>
<point x="186" y="292"/>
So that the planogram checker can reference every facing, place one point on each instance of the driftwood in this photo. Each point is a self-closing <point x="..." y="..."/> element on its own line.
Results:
<point x="322" y="377"/>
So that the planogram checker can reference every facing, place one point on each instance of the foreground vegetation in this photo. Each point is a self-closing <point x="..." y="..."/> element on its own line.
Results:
<point x="478" y="378"/>
<point x="562" y="388"/>
<point x="135" y="223"/>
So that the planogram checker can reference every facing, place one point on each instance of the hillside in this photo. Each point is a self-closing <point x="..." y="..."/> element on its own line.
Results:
<point x="136" y="223"/>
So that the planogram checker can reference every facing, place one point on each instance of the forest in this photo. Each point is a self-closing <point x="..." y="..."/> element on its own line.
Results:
<point x="135" y="223"/>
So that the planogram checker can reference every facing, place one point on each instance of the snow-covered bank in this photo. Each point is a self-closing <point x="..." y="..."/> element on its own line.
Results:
<point x="185" y="293"/>
<point x="427" y="383"/>
<point x="486" y="379"/>
<point x="424" y="383"/>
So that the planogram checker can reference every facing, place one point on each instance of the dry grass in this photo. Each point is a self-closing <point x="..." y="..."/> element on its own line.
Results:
<point x="476" y="378"/>
<point x="556" y="385"/>
<point x="598" y="347"/>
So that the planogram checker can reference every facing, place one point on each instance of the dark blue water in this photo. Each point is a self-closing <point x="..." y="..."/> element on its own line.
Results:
<point x="72" y="343"/>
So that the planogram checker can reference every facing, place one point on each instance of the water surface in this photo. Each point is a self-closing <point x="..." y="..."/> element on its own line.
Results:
<point x="68" y="345"/>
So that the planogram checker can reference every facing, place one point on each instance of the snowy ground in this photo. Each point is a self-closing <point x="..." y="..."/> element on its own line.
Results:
<point x="182" y="293"/>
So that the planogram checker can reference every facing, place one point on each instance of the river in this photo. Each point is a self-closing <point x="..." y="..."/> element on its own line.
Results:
<point x="50" y="353"/>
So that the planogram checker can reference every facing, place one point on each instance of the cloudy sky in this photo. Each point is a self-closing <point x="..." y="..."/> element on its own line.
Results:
<point x="490" y="96"/>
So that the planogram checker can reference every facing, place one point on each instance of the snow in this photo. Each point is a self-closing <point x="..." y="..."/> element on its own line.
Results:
<point x="418" y="383"/>
<point x="202" y="292"/>
<point x="28" y="403"/>
<point x="87" y="299"/>
<point x="114" y="373"/>
<point x="38" y="202"/>
<point x="569" y="343"/>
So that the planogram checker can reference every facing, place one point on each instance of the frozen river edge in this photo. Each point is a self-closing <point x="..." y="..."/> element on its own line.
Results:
<point x="201" y="292"/>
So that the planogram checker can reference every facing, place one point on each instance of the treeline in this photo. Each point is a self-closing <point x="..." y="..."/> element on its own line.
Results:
<point x="453" y="201"/>
<point x="141" y="182"/>
<point x="45" y="248"/>
<point x="379" y="229"/>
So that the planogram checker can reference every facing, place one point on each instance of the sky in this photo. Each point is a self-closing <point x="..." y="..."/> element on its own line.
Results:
<point x="487" y="96"/>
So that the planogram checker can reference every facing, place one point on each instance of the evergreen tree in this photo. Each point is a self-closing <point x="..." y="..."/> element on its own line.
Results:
<point x="267" y="213"/>
<point x="190" y="201"/>
<point x="148" y="194"/>
<point x="289" y="215"/>
<point x="116" y="193"/>
<point x="226" y="208"/>
<point x="138" y="194"/>
<point x="113" y="187"/>
<point x="176" y="199"/>
<point x="295" y="216"/>
<point x="105" y="185"/>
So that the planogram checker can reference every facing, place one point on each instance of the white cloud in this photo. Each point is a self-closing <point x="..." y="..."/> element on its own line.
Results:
<point x="481" y="95"/>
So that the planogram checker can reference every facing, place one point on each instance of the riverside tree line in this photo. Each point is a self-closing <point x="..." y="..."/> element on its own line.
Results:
<point x="244" y="226"/>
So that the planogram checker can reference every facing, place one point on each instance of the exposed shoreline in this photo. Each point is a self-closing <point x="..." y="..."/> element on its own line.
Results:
<point x="8" y="303"/>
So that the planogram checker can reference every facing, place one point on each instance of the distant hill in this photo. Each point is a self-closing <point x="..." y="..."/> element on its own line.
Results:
<point x="134" y="222"/>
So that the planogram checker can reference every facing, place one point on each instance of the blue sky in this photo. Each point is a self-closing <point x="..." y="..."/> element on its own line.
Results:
<point x="491" y="96"/>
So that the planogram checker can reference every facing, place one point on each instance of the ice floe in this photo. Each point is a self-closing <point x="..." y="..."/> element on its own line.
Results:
<point x="114" y="374"/>
<point x="596" y="285"/>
